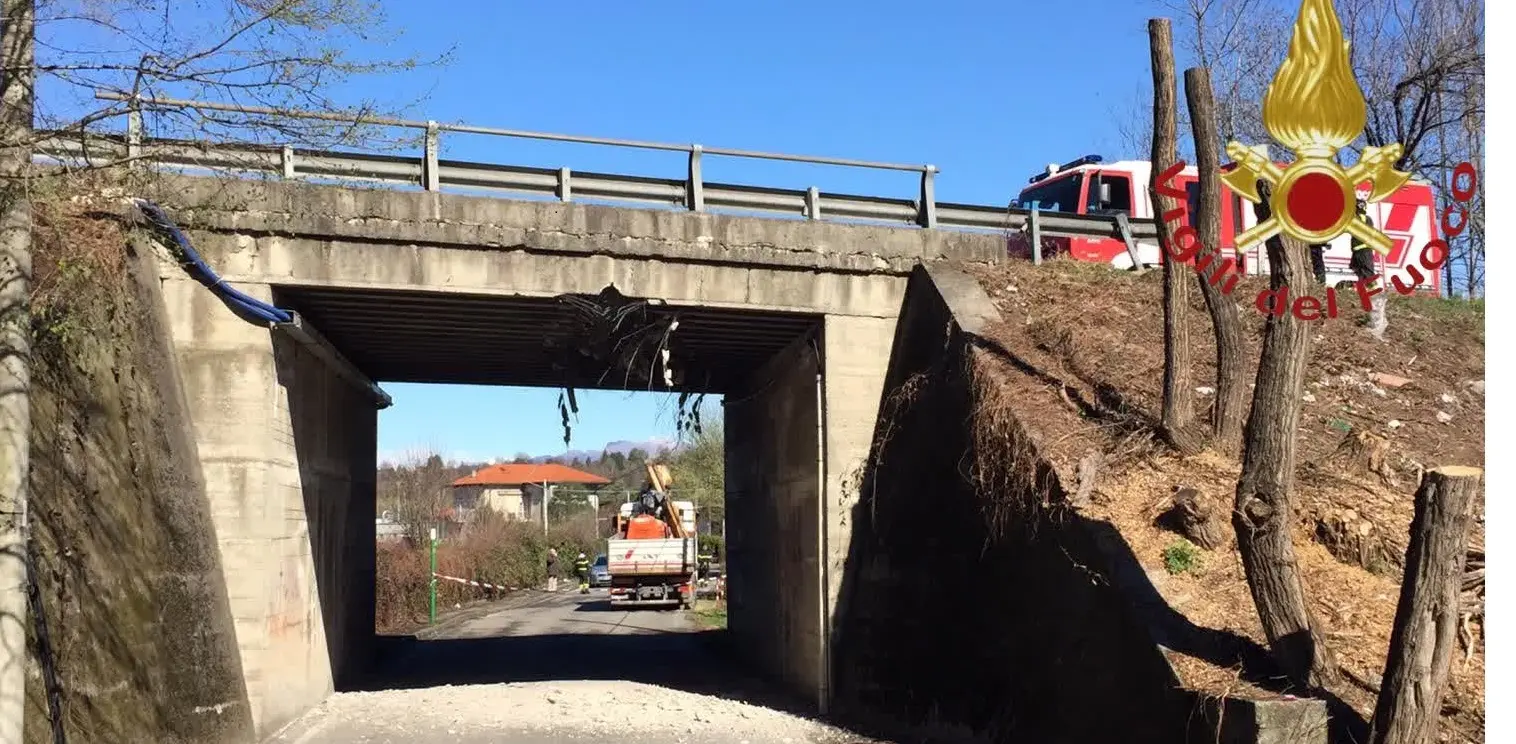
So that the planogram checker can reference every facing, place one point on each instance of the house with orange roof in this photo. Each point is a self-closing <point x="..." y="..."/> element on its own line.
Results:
<point x="517" y="489"/>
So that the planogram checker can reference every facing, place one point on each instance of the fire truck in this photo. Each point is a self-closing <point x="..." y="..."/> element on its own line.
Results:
<point x="1088" y="185"/>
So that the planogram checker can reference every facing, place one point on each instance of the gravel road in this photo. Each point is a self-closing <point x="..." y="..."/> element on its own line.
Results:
<point x="542" y="668"/>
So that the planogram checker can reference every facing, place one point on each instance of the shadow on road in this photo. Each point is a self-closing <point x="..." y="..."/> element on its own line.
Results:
<point x="614" y="645"/>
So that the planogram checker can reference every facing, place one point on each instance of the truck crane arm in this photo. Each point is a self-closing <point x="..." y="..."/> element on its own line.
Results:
<point x="671" y="513"/>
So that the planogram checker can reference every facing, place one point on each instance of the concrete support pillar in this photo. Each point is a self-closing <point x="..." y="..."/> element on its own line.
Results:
<point x="856" y="356"/>
<point x="287" y="450"/>
<point x="791" y="488"/>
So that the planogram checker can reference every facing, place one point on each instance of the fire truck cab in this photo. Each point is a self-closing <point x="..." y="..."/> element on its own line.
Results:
<point x="1088" y="185"/>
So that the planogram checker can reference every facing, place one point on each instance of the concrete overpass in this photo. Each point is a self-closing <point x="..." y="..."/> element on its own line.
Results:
<point x="792" y="321"/>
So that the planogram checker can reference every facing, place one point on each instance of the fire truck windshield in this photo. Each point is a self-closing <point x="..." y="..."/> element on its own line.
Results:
<point x="1058" y="195"/>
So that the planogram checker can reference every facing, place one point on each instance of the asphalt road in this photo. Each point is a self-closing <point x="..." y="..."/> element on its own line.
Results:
<point x="542" y="668"/>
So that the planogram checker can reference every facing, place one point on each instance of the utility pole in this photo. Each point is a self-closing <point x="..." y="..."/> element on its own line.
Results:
<point x="17" y="61"/>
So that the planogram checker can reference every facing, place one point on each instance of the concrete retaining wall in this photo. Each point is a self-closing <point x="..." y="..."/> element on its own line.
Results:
<point x="130" y="578"/>
<point x="950" y="618"/>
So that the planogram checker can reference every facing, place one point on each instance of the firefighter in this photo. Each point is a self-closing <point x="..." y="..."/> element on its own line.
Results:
<point x="582" y="570"/>
<point x="1363" y="268"/>
<point x="1363" y="256"/>
<point x="1318" y="262"/>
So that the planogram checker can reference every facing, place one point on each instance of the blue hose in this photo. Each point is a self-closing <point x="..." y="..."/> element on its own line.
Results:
<point x="247" y="308"/>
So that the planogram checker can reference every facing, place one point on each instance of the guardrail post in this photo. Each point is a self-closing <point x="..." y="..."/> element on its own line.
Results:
<point x="926" y="215"/>
<point x="813" y="203"/>
<point x="287" y="162"/>
<point x="1125" y="228"/>
<point x="694" y="190"/>
<point x="1035" y="226"/>
<point x="431" y="179"/>
<point x="134" y="135"/>
<point x="565" y="187"/>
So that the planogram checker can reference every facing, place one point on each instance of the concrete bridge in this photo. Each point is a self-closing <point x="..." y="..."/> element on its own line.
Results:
<point x="792" y="321"/>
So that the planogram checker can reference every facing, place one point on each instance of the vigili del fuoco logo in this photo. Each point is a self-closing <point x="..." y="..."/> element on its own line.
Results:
<point x="1314" y="108"/>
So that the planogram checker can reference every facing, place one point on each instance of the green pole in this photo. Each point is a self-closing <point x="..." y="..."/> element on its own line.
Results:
<point x="432" y="614"/>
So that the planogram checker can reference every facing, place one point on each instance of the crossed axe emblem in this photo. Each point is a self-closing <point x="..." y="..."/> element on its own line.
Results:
<point x="1253" y="165"/>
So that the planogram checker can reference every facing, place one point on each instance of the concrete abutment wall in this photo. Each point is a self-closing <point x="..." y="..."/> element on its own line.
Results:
<point x="288" y="452"/>
<point x="773" y="496"/>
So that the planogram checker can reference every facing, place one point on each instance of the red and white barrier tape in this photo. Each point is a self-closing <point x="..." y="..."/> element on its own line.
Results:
<point x="475" y="583"/>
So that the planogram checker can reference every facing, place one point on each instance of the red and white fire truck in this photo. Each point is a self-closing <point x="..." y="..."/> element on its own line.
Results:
<point x="1089" y="186"/>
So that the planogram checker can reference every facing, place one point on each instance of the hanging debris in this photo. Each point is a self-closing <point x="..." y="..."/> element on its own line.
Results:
<point x="614" y="341"/>
<point x="687" y="418"/>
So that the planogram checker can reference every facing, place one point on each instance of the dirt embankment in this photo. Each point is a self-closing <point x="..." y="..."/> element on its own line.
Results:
<point x="1079" y="359"/>
<point x="139" y="630"/>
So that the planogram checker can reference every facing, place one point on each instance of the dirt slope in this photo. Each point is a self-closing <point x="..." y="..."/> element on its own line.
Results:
<point x="1081" y="357"/>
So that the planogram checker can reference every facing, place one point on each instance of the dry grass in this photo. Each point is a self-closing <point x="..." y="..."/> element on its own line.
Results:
<point x="1079" y="360"/>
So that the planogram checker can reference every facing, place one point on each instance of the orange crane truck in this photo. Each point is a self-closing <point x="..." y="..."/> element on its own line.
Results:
<point x="652" y="558"/>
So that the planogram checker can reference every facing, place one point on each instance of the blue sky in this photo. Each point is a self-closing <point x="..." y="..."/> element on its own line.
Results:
<point x="987" y="91"/>
<point x="447" y="419"/>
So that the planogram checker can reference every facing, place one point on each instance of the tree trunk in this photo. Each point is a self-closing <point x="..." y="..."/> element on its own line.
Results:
<point x="1262" y="511"/>
<point x="1231" y="383"/>
<point x="16" y="61"/>
<point x="1426" y="620"/>
<point x="1178" y="389"/>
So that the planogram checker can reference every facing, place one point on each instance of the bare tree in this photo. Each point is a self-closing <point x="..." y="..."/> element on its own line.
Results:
<point x="415" y="491"/>
<point x="1240" y="43"/>
<point x="16" y="100"/>
<point x="277" y="54"/>
<point x="1231" y="390"/>
<point x="1419" y="63"/>
<point x="1262" y="512"/>
<point x="1178" y="390"/>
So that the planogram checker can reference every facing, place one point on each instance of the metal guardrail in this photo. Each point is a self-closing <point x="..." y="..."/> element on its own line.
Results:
<point x="432" y="173"/>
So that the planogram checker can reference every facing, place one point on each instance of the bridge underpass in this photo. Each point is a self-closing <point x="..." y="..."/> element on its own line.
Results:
<point x="766" y="363"/>
<point x="791" y="322"/>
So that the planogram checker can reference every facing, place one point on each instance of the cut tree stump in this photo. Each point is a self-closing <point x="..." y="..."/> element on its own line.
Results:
<point x="1425" y="635"/>
<point x="1192" y="516"/>
<point x="1365" y="451"/>
<point x="1088" y="473"/>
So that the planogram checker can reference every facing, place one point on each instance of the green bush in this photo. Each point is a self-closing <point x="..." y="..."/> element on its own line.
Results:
<point x="1181" y="557"/>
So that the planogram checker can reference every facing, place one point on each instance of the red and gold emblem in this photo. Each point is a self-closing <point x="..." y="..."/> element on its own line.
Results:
<point x="1314" y="108"/>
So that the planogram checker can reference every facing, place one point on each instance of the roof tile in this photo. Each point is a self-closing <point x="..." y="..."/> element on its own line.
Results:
<point x="514" y="474"/>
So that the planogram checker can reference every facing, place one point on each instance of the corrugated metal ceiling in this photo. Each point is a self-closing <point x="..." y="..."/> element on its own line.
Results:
<point x="397" y="336"/>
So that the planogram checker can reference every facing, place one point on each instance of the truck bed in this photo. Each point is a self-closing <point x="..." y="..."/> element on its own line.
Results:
<point x="668" y="557"/>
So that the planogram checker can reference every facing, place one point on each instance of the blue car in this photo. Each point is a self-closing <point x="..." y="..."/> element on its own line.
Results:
<point x="600" y="572"/>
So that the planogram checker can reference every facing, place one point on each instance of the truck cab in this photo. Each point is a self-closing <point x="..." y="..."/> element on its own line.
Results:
<point x="1088" y="185"/>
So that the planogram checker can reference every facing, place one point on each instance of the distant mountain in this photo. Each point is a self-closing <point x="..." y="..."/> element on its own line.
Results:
<point x="652" y="446"/>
